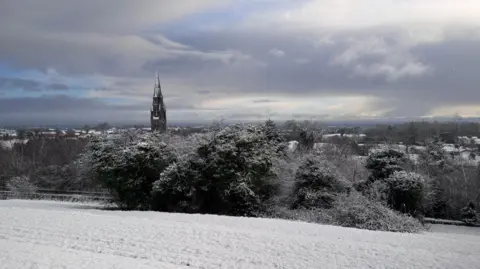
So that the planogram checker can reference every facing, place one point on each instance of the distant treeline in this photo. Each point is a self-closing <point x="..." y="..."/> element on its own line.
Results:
<point x="48" y="163"/>
<point x="418" y="132"/>
<point x="410" y="133"/>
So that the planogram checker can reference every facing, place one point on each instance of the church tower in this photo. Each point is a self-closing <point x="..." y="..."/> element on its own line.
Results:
<point x="158" y="113"/>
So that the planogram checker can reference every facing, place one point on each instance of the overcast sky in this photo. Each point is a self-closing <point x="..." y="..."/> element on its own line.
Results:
<point x="91" y="61"/>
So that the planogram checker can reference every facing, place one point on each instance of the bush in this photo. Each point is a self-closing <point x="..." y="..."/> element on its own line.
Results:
<point x="285" y="168"/>
<point x="356" y="211"/>
<point x="351" y="210"/>
<point x="182" y="145"/>
<point x="382" y="164"/>
<point x="127" y="168"/>
<point x="378" y="191"/>
<point x="313" y="215"/>
<point x="469" y="214"/>
<point x="316" y="184"/>
<point x="406" y="192"/>
<point x="230" y="173"/>
<point x="21" y="185"/>
<point x="61" y="178"/>
<point x="181" y="187"/>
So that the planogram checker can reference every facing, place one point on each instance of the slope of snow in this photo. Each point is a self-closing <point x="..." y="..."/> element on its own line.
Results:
<point x="41" y="234"/>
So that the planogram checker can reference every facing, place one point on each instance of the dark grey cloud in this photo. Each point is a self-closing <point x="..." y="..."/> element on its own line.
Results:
<point x="90" y="37"/>
<point x="10" y="84"/>
<point x="245" y="115"/>
<point x="452" y="79"/>
<point x="86" y="15"/>
<point x="7" y="84"/>
<point x="57" y="103"/>
<point x="58" y="87"/>
<point x="181" y="66"/>
<point x="65" y="109"/>
<point x="406" y="71"/>
<point x="55" y="110"/>
<point x="203" y="92"/>
<point x="315" y="116"/>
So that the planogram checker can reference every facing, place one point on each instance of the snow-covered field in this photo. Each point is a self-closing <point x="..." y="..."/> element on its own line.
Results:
<point x="42" y="234"/>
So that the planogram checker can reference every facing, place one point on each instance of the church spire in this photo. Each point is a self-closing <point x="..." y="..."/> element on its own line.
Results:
<point x="158" y="114"/>
<point x="157" y="92"/>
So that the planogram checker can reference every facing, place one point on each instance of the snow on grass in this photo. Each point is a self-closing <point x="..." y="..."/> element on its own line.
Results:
<point x="455" y="229"/>
<point x="46" y="234"/>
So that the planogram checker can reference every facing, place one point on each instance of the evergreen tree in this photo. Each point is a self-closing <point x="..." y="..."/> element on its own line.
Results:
<point x="271" y="131"/>
<point x="383" y="164"/>
<point x="307" y="140"/>
<point x="469" y="214"/>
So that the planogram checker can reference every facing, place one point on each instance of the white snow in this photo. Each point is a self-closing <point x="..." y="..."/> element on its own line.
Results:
<point x="323" y="145"/>
<point x="41" y="234"/>
<point x="292" y="145"/>
<point x="345" y="135"/>
<point x="8" y="144"/>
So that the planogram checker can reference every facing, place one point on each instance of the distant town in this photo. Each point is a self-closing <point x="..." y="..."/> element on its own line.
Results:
<point x="11" y="136"/>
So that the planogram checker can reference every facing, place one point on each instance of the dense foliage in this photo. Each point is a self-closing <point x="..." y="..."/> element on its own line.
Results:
<point x="407" y="192"/>
<point x="382" y="164"/>
<point x="453" y="184"/>
<point x="48" y="163"/>
<point x="357" y="211"/>
<point x="470" y="215"/>
<point x="229" y="173"/>
<point x="21" y="185"/>
<point x="127" y="168"/>
<point x="316" y="184"/>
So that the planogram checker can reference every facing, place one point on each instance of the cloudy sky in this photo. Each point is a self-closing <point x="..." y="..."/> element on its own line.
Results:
<point x="91" y="61"/>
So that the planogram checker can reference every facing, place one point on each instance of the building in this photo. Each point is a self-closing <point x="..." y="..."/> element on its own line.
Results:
<point x="158" y="113"/>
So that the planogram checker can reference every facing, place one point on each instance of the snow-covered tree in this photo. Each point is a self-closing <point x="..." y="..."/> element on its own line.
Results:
<point x="435" y="159"/>
<point x="382" y="164"/>
<point x="407" y="191"/>
<point x="469" y="214"/>
<point x="317" y="184"/>
<point x="127" y="166"/>
<point x="307" y="140"/>
<point x="230" y="173"/>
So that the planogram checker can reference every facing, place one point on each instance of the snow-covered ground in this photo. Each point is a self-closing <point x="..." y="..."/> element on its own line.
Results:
<point x="42" y="234"/>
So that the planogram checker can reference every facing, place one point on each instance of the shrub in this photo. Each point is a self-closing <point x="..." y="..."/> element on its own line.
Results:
<point x="406" y="192"/>
<point x="285" y="168"/>
<point x="230" y="173"/>
<point x="312" y="215"/>
<point x="356" y="211"/>
<point x="383" y="164"/>
<point x="469" y="214"/>
<point x="127" y="168"/>
<point x="180" y="187"/>
<point x="378" y="191"/>
<point x="182" y="145"/>
<point x="21" y="185"/>
<point x="61" y="178"/>
<point x="316" y="184"/>
<point x="351" y="210"/>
